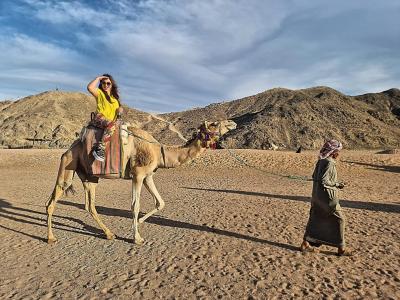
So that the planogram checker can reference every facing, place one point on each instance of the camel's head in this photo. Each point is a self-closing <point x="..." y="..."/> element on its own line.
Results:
<point x="209" y="132"/>
<point x="225" y="126"/>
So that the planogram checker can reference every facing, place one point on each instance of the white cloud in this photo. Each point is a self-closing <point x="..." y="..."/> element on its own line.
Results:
<point x="357" y="79"/>
<point x="70" y="12"/>
<point x="196" y="52"/>
<point x="23" y="51"/>
<point x="35" y="66"/>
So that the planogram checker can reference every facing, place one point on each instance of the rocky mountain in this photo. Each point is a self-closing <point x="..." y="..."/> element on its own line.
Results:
<point x="54" y="119"/>
<point x="277" y="117"/>
<point x="293" y="118"/>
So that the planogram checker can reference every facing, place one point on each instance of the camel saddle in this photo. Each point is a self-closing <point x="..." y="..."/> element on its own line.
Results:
<point x="113" y="165"/>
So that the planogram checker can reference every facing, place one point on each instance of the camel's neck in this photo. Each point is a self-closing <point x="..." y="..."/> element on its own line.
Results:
<point x="176" y="156"/>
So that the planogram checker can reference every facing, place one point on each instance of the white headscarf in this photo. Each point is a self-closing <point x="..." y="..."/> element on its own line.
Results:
<point x="330" y="147"/>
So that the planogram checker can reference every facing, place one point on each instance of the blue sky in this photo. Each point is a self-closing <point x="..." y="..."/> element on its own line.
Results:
<point x="179" y="54"/>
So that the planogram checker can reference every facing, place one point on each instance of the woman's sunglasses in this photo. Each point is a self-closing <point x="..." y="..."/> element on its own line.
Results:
<point x="106" y="83"/>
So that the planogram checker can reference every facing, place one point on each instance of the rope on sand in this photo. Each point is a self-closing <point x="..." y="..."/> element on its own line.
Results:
<point x="242" y="161"/>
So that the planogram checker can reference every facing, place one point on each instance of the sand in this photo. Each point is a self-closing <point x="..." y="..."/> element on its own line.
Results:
<point x="228" y="231"/>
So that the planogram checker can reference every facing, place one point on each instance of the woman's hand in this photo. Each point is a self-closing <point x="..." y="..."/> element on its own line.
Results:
<point x="340" y="185"/>
<point x="120" y="110"/>
<point x="92" y="86"/>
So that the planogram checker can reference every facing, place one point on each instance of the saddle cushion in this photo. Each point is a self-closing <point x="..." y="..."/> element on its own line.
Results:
<point x="113" y="152"/>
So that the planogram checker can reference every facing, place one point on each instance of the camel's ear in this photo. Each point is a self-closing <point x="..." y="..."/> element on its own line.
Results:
<point x="206" y="124"/>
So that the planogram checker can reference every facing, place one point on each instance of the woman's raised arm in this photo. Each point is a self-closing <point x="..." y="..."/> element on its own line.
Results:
<point x="92" y="86"/>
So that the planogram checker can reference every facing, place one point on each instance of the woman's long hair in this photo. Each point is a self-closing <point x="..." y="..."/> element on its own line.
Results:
<point x="114" y="89"/>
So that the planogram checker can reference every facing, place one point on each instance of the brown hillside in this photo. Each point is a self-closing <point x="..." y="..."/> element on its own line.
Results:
<point x="384" y="106"/>
<point x="4" y="104"/>
<point x="53" y="118"/>
<point x="282" y="117"/>
<point x="307" y="117"/>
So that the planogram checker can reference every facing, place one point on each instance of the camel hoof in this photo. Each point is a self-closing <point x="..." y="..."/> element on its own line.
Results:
<point x="139" y="241"/>
<point x="141" y="221"/>
<point x="51" y="240"/>
<point x="110" y="236"/>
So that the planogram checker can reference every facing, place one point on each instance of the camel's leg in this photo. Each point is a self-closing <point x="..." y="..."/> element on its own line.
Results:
<point x="137" y="183"/>
<point x="64" y="180"/>
<point x="90" y="192"/>
<point x="50" y="206"/>
<point x="87" y="198"/>
<point x="149" y="184"/>
<point x="84" y="178"/>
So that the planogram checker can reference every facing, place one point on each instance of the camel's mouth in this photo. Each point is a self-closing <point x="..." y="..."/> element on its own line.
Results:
<point x="231" y="125"/>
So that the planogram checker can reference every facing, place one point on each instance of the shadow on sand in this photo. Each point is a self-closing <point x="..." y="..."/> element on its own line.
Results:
<point x="373" y="206"/>
<point x="158" y="220"/>
<point x="393" y="169"/>
<point x="10" y="212"/>
<point x="38" y="218"/>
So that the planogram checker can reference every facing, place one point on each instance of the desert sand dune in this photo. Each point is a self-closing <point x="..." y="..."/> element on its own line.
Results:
<point x="227" y="231"/>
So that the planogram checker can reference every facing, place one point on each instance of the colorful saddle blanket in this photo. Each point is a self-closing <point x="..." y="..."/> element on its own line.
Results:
<point x="112" y="165"/>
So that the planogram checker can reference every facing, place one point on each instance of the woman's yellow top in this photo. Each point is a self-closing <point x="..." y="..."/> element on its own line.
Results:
<point x="107" y="108"/>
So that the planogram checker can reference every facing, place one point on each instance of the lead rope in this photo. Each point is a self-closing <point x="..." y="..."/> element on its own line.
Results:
<point x="242" y="161"/>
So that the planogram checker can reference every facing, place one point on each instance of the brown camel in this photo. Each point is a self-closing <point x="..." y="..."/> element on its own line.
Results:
<point x="142" y="156"/>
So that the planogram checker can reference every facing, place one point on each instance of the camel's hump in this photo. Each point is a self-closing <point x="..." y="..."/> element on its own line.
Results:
<point x="141" y="133"/>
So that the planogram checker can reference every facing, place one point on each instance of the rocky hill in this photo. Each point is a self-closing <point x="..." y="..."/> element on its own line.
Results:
<point x="293" y="118"/>
<point x="278" y="117"/>
<point x="54" y="119"/>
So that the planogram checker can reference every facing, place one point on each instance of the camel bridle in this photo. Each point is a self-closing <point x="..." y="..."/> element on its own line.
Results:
<point x="208" y="138"/>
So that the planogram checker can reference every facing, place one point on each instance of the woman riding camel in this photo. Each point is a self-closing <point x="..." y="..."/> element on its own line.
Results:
<point x="326" y="221"/>
<point x="105" y="90"/>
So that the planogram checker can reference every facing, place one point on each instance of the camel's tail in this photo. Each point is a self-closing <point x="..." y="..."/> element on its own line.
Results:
<point x="70" y="189"/>
<point x="60" y="190"/>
